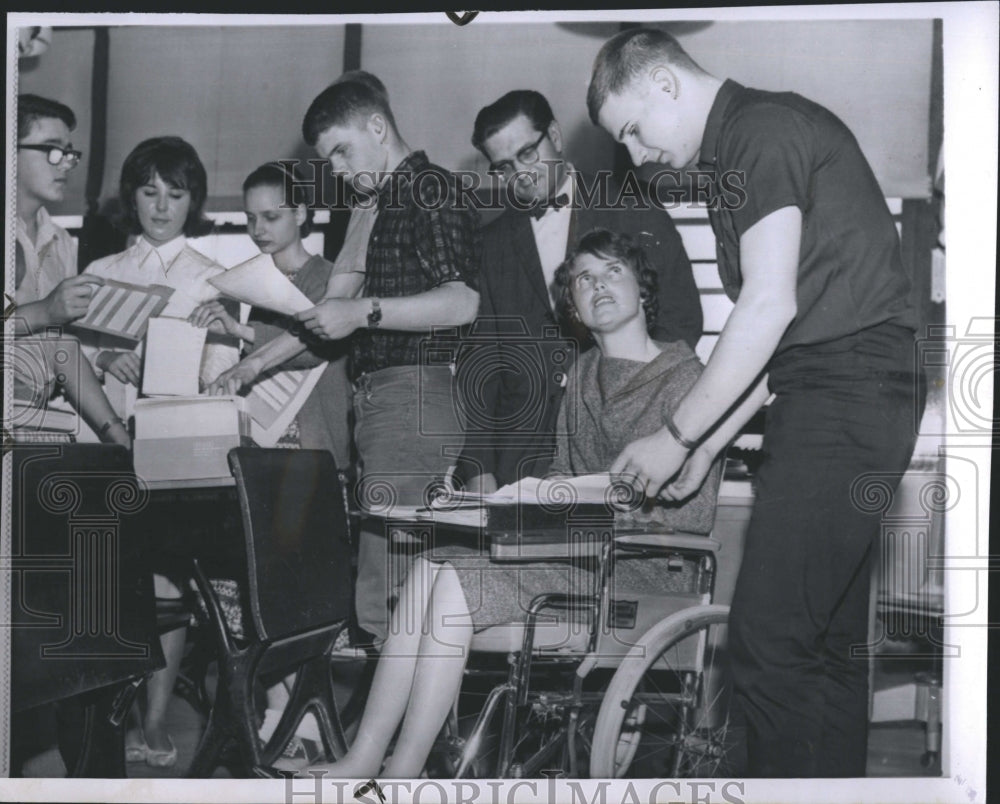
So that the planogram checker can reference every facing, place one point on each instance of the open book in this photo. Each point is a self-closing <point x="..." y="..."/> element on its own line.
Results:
<point x="595" y="488"/>
<point x="553" y="493"/>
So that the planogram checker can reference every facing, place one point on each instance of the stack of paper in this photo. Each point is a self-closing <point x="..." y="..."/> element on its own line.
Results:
<point x="47" y="419"/>
<point x="191" y="417"/>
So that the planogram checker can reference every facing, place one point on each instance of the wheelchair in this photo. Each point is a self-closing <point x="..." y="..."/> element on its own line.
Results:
<point x="605" y="682"/>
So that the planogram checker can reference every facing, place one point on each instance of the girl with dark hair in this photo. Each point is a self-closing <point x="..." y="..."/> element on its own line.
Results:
<point x="162" y="192"/>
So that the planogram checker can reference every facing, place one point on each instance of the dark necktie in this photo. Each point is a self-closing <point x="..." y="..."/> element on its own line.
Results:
<point x="541" y="208"/>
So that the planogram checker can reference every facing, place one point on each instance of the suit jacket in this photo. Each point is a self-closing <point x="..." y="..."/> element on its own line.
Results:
<point x="512" y="370"/>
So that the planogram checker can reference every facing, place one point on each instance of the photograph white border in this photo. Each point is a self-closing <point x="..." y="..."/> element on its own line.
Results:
<point x="970" y="97"/>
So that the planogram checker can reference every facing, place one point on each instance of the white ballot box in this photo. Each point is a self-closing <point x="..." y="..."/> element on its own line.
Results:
<point x="185" y="440"/>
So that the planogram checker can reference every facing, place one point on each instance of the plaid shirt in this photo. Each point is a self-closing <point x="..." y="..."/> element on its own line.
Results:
<point x="421" y="239"/>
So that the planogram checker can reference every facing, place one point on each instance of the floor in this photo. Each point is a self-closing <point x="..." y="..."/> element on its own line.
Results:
<point x="896" y="749"/>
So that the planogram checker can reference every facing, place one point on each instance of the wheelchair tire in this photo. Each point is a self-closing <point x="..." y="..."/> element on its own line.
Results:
<point x="666" y="712"/>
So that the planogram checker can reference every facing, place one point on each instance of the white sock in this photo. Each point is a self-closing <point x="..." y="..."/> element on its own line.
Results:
<point x="271" y="718"/>
<point x="309" y="729"/>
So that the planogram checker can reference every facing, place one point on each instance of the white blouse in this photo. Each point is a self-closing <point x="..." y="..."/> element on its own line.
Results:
<point x="177" y="265"/>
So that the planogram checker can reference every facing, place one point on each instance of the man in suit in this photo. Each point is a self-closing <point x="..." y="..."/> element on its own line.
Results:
<point x="514" y="374"/>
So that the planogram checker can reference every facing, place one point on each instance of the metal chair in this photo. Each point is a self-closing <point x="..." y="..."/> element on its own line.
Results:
<point x="297" y="592"/>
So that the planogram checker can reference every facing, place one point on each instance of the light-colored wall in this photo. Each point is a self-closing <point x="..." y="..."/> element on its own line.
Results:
<point x="440" y="76"/>
<point x="239" y="93"/>
<point x="64" y="73"/>
<point x="874" y="74"/>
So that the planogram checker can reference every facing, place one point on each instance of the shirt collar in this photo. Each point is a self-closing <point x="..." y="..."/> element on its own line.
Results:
<point x="415" y="162"/>
<point x="46" y="229"/>
<point x="710" y="139"/>
<point x="166" y="253"/>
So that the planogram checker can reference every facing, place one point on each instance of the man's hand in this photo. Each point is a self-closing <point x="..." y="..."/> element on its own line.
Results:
<point x="691" y="476"/>
<point x="70" y="299"/>
<point x="232" y="381"/>
<point x="335" y="318"/>
<point x="650" y="462"/>
<point x="217" y="318"/>
<point x="482" y="484"/>
<point x="124" y="366"/>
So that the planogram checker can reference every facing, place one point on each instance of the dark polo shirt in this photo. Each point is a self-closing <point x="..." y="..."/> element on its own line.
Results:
<point x="790" y="151"/>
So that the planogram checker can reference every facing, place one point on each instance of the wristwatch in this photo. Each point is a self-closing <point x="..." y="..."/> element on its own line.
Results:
<point x="375" y="316"/>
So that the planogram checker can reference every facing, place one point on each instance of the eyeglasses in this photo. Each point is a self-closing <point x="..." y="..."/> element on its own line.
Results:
<point x="56" y="154"/>
<point x="528" y="155"/>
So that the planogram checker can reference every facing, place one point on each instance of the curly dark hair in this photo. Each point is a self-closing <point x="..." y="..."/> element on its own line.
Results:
<point x="605" y="244"/>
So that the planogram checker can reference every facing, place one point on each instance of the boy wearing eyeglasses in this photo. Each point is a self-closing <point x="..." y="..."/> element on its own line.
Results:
<point x="48" y="290"/>
<point x="550" y="207"/>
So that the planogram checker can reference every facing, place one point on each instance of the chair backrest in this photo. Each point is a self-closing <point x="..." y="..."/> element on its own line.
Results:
<point x="297" y="540"/>
<point x="82" y="613"/>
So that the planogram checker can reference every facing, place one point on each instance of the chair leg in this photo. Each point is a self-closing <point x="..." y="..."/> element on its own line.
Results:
<point x="232" y="719"/>
<point x="213" y="741"/>
<point x="91" y="743"/>
<point x="313" y="691"/>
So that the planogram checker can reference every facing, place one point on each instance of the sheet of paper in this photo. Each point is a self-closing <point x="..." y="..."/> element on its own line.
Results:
<point x="123" y="309"/>
<point x="173" y="357"/>
<point x="259" y="282"/>
<point x="274" y="401"/>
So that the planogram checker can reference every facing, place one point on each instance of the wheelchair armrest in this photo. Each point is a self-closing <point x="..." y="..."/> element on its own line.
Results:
<point x="667" y="540"/>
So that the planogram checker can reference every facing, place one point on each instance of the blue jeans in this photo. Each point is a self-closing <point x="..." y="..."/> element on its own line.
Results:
<point x="842" y="409"/>
<point x="408" y="434"/>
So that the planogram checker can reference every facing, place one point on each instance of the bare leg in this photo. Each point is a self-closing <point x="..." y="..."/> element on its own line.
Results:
<point x="401" y="664"/>
<point x="444" y="650"/>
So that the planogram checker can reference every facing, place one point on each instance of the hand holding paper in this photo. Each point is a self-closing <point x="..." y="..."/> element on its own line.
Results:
<point x="333" y="319"/>
<point x="259" y="282"/>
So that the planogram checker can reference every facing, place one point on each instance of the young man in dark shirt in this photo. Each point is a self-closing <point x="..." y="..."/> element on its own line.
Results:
<point x="822" y="319"/>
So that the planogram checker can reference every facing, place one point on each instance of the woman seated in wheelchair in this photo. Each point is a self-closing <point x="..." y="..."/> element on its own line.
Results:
<point x="624" y="388"/>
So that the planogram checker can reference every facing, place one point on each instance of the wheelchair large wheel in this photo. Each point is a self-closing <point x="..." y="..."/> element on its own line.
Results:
<point x="667" y="709"/>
